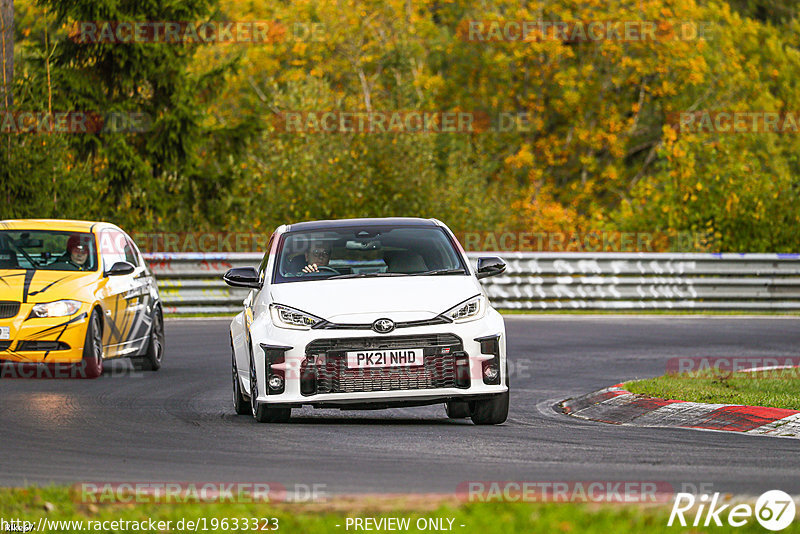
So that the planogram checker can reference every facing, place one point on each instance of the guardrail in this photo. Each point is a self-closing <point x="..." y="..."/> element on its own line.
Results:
<point x="192" y="283"/>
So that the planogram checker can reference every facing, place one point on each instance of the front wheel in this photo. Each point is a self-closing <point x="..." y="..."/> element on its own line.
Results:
<point x="92" y="362"/>
<point x="151" y="361"/>
<point x="492" y="411"/>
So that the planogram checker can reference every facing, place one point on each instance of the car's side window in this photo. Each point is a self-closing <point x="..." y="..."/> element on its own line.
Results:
<point x="137" y="253"/>
<point x="112" y="246"/>
<point x="130" y="253"/>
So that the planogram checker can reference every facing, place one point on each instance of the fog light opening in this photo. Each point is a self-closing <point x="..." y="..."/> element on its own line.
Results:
<point x="491" y="372"/>
<point x="275" y="383"/>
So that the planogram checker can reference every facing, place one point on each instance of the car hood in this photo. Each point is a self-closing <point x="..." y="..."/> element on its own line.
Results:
<point x="363" y="300"/>
<point x="44" y="286"/>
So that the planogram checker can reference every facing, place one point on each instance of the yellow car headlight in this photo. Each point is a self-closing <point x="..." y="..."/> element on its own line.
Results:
<point x="59" y="308"/>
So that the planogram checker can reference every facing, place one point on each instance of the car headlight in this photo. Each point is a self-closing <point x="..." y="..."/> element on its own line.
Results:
<point x="287" y="317"/>
<point x="59" y="308"/>
<point x="469" y="310"/>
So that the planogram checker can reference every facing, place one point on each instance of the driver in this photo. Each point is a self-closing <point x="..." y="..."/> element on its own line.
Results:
<point x="77" y="254"/>
<point x="318" y="255"/>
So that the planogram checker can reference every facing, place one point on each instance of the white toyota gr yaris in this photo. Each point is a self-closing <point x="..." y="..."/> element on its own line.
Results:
<point x="366" y="314"/>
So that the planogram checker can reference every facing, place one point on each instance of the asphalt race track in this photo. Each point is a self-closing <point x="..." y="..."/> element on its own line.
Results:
<point x="178" y="424"/>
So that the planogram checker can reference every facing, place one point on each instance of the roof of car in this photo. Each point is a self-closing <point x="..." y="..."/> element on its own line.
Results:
<point x="345" y="223"/>
<point x="66" y="225"/>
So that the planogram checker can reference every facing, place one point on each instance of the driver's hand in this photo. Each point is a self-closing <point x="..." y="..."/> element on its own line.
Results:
<point x="311" y="268"/>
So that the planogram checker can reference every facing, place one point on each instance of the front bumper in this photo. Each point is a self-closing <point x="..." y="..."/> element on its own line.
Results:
<point x="64" y="336"/>
<point x="290" y="353"/>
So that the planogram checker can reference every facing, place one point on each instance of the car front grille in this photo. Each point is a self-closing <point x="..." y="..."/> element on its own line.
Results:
<point x="8" y="309"/>
<point x="441" y="352"/>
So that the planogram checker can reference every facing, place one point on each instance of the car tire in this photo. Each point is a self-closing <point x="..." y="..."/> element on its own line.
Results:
<point x="457" y="409"/>
<point x="491" y="411"/>
<point x="262" y="412"/>
<point x="151" y="361"/>
<point x="92" y="362"/>
<point x="240" y="404"/>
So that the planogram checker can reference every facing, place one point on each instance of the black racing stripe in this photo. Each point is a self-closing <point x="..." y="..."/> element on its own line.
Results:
<point x="73" y="320"/>
<point x="58" y="338"/>
<point x="143" y="302"/>
<point x="2" y="278"/>
<point x="45" y="288"/>
<point x="113" y="325"/>
<point x="27" y="284"/>
<point x="127" y="323"/>
<point x="18" y="355"/>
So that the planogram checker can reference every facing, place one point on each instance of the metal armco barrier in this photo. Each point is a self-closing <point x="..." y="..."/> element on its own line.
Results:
<point x="192" y="282"/>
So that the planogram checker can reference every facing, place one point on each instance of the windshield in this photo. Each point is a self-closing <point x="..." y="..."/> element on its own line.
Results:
<point x="366" y="252"/>
<point x="47" y="250"/>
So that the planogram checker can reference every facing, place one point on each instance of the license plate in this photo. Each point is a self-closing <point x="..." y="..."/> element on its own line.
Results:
<point x="5" y="332"/>
<point x="384" y="358"/>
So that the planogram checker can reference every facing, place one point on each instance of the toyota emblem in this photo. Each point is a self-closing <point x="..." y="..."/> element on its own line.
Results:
<point x="383" y="326"/>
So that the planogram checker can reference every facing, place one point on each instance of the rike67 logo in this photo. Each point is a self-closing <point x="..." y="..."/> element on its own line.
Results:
<point x="774" y="510"/>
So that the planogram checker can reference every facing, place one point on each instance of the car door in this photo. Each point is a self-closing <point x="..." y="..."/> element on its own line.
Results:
<point x="139" y="305"/>
<point x="114" y="293"/>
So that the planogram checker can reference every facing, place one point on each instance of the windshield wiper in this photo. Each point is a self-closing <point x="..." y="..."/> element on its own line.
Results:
<point x="363" y="275"/>
<point x="440" y="271"/>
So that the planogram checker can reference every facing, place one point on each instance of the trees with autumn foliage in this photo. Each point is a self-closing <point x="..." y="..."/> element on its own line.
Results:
<point x="597" y="150"/>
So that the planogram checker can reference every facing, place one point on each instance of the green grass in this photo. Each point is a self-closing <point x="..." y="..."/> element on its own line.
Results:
<point x="777" y="389"/>
<point x="58" y="503"/>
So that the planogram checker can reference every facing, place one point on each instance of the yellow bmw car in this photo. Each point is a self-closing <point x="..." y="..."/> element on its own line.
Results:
<point x="78" y="293"/>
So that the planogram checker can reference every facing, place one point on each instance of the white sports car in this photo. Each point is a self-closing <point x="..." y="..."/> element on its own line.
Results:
<point x="367" y="314"/>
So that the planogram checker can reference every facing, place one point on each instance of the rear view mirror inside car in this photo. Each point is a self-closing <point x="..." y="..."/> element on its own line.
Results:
<point x="363" y="245"/>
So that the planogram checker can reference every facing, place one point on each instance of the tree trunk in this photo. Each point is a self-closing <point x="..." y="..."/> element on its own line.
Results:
<point x="6" y="53"/>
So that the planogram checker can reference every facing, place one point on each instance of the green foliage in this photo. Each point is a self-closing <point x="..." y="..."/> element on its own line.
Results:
<point x="598" y="152"/>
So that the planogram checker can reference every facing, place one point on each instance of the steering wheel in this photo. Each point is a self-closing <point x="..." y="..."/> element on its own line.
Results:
<point x="80" y="267"/>
<point x="320" y="269"/>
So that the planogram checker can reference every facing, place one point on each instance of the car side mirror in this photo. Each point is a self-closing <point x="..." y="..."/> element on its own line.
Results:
<point x="490" y="266"/>
<point x="120" y="268"/>
<point x="242" y="277"/>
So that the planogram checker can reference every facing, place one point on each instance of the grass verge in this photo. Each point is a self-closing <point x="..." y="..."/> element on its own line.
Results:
<point x="58" y="503"/>
<point x="776" y="388"/>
